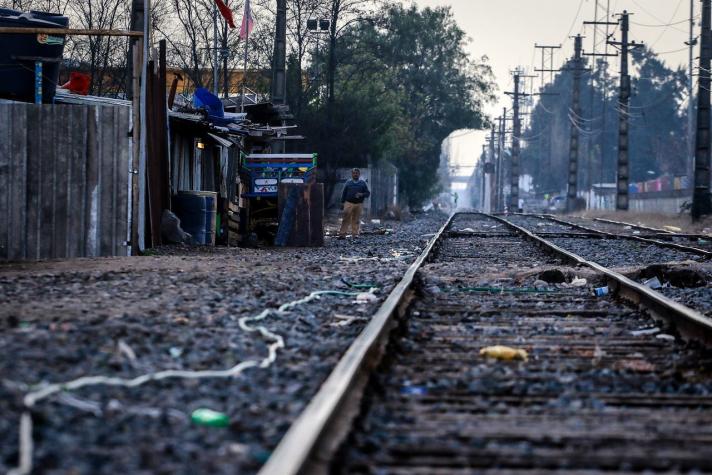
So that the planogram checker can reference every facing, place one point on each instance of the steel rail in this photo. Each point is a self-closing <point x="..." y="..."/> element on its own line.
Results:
<point x="690" y="323"/>
<point x="322" y="425"/>
<point x="655" y="231"/>
<point x="671" y="245"/>
<point x="634" y="226"/>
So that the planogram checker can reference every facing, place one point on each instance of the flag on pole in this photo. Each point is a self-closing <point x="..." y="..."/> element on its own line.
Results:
<point x="226" y="13"/>
<point x="248" y="23"/>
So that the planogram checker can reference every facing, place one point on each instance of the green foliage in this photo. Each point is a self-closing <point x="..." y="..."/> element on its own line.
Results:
<point x="402" y="86"/>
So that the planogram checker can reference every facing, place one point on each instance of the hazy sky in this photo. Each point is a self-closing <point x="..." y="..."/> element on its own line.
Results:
<point x="506" y="31"/>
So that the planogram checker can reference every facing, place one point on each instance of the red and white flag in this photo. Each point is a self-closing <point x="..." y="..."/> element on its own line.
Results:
<point x="226" y="13"/>
<point x="248" y="23"/>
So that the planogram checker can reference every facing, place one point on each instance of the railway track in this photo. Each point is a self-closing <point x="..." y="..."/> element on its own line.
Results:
<point x="605" y="386"/>
<point x="657" y="242"/>
<point x="683" y="271"/>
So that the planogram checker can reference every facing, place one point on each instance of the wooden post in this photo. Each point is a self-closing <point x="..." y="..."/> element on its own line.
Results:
<point x="136" y="69"/>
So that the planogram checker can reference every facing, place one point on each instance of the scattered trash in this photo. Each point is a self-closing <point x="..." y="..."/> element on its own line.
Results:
<point x="665" y="337"/>
<point x="638" y="366"/>
<point x="81" y="404"/>
<point x="653" y="283"/>
<point x="345" y="320"/>
<point x="414" y="390"/>
<point x="577" y="282"/>
<point x="175" y="352"/>
<point x="127" y="351"/>
<point x="645" y="331"/>
<point x="673" y="229"/>
<point x="601" y="291"/>
<point x="365" y="298"/>
<point x="504" y="353"/>
<point x="598" y="354"/>
<point x="274" y="342"/>
<point x="209" y="418"/>
<point x="375" y="221"/>
<point x="468" y="230"/>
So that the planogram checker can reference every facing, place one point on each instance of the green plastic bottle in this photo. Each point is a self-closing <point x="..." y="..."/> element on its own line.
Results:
<point x="210" y="418"/>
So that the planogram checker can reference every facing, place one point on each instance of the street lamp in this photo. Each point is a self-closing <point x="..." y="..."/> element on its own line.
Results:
<point x="318" y="27"/>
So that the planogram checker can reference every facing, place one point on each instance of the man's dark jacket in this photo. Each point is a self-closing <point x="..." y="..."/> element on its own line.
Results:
<point x="352" y="188"/>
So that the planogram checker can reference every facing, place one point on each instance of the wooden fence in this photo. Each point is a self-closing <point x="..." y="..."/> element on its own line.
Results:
<point x="64" y="181"/>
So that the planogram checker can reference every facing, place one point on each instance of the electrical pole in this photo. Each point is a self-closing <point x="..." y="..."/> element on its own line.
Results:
<point x="589" y="137"/>
<point x="701" y="201"/>
<point x="225" y="54"/>
<point x="690" y="165"/>
<point x="604" y="106"/>
<point x="483" y="197"/>
<point x="575" y="117"/>
<point x="137" y="21"/>
<point x="216" y="63"/>
<point x="623" y="176"/>
<point x="279" y="58"/>
<point x="499" y="192"/>
<point x="517" y="131"/>
<point x="489" y="170"/>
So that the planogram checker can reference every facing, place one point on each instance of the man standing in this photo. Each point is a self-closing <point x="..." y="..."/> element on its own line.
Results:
<point x="355" y="191"/>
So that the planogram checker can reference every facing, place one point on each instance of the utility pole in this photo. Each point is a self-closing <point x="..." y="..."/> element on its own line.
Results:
<point x="499" y="171"/>
<point x="279" y="58"/>
<point x="701" y="200"/>
<point x="216" y="63"/>
<point x="137" y="21"/>
<point x="489" y="171"/>
<point x="517" y="131"/>
<point x="279" y="67"/>
<point x="623" y="177"/>
<point x="225" y="54"/>
<point x="604" y="106"/>
<point x="588" y="183"/>
<point x="690" y="165"/>
<point x="575" y="117"/>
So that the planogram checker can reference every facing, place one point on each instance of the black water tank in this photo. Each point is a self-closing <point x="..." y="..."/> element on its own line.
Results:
<point x="18" y="75"/>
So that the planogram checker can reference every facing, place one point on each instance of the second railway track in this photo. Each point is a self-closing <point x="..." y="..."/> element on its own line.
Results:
<point x="605" y="387"/>
<point x="683" y="271"/>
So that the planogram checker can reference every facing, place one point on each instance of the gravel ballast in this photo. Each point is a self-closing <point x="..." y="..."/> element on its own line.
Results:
<point x="181" y="309"/>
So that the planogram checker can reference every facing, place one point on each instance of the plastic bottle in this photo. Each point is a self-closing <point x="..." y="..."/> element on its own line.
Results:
<point x="210" y="418"/>
<point x="601" y="291"/>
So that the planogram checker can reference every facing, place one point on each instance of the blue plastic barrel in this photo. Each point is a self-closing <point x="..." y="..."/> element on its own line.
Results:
<point x="17" y="80"/>
<point x="197" y="211"/>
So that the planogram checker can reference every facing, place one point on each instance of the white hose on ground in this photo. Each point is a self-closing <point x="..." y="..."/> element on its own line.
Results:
<point x="25" y="431"/>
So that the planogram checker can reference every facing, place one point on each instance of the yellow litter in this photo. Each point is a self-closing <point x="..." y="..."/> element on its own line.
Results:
<point x="673" y="229"/>
<point x="504" y="353"/>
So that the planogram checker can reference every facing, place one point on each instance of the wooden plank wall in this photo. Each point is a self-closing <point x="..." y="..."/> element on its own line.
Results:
<point x="308" y="227"/>
<point x="64" y="173"/>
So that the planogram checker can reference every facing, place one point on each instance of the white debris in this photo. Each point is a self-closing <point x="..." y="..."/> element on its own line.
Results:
<point x="665" y="337"/>
<point x="645" y="331"/>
